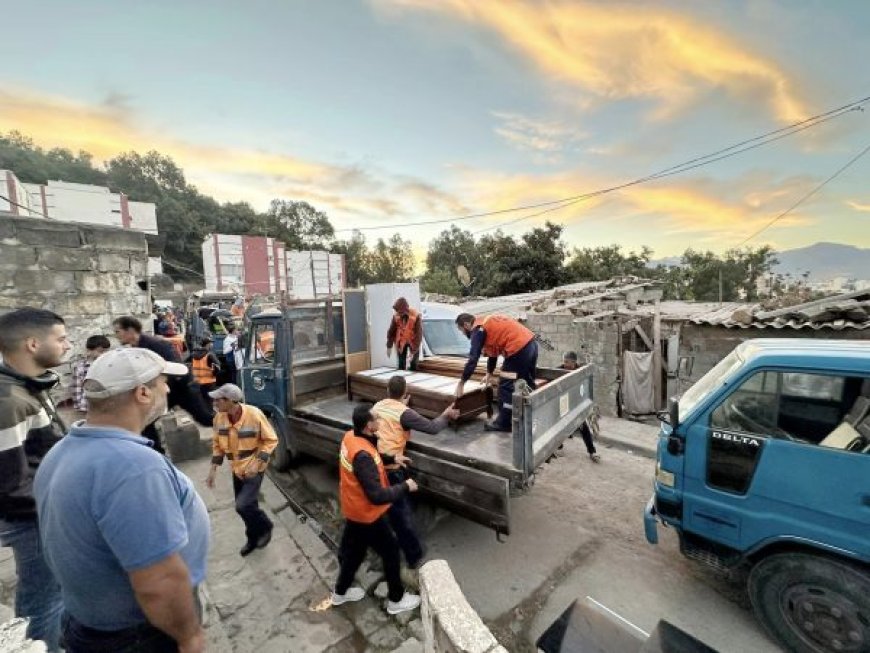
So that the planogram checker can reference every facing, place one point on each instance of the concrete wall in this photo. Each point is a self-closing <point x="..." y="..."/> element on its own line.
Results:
<point x="450" y="625"/>
<point x="86" y="273"/>
<point x="597" y="340"/>
<point x="710" y="344"/>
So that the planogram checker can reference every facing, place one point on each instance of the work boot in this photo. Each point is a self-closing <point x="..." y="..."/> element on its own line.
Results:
<point x="406" y="603"/>
<point x="494" y="426"/>
<point x="264" y="539"/>
<point x="250" y="545"/>
<point x="352" y="595"/>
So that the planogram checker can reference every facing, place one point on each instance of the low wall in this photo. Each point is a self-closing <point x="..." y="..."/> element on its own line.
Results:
<point x="450" y="624"/>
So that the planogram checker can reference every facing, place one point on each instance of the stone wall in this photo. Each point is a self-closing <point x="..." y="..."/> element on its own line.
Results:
<point x="88" y="274"/>
<point x="450" y="625"/>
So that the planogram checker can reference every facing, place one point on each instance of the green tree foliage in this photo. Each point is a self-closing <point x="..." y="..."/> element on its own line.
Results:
<point x="510" y="266"/>
<point x="299" y="225"/>
<point x="441" y="282"/>
<point x="34" y="165"/>
<point x="601" y="263"/>
<point x="390" y="261"/>
<point x="735" y="274"/>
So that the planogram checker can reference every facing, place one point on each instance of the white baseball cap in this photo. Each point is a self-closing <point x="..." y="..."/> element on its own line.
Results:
<point x="121" y="370"/>
<point x="228" y="391"/>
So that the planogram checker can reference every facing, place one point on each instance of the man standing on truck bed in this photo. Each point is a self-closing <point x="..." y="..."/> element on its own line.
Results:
<point x="396" y="422"/>
<point x="494" y="336"/>
<point x="366" y="495"/>
<point x="406" y="332"/>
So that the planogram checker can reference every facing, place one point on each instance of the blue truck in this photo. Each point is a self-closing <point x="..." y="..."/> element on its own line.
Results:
<point x="764" y="464"/>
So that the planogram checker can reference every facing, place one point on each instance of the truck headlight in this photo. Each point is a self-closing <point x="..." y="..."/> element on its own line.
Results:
<point x="664" y="477"/>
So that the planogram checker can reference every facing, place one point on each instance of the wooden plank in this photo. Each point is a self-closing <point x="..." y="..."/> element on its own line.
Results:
<point x="649" y="344"/>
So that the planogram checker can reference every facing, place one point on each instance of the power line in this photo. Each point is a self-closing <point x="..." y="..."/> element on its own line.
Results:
<point x="718" y="155"/>
<point x="803" y="199"/>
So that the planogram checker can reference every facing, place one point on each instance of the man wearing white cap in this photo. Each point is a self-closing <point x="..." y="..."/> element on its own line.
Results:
<point x="123" y="530"/>
<point x="243" y="434"/>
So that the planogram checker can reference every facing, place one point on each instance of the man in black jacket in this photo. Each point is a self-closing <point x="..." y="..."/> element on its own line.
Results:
<point x="32" y="340"/>
<point x="183" y="391"/>
<point x="366" y="495"/>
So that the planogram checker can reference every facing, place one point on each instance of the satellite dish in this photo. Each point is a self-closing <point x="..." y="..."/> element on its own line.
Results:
<point x="464" y="277"/>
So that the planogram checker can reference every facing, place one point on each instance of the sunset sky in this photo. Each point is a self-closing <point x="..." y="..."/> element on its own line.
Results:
<point x="389" y="112"/>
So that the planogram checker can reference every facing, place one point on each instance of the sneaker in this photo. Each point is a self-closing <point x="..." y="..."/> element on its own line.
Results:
<point x="352" y="595"/>
<point x="409" y="602"/>
<point x="595" y="457"/>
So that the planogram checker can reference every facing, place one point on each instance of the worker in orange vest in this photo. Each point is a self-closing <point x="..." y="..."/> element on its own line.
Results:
<point x="406" y="332"/>
<point x="365" y="495"/>
<point x="205" y="367"/>
<point x="499" y="335"/>
<point x="396" y="422"/>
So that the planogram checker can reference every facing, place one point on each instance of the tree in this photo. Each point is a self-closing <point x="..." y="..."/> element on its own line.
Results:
<point x="452" y="248"/>
<point x="31" y="164"/>
<point x="602" y="263"/>
<point x="440" y="282"/>
<point x="356" y="259"/>
<point x="391" y="261"/>
<point x="509" y="267"/>
<point x="299" y="225"/>
<point x="731" y="277"/>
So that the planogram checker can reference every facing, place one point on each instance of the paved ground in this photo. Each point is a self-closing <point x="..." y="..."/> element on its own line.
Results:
<point x="267" y="602"/>
<point x="579" y="533"/>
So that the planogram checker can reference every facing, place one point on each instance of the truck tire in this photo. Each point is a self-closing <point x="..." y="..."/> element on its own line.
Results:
<point x="811" y="603"/>
<point x="285" y="454"/>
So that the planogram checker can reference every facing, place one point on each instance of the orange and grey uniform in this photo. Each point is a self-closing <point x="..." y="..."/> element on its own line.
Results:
<point x="397" y="421"/>
<point x="406" y="330"/>
<point x="240" y="442"/>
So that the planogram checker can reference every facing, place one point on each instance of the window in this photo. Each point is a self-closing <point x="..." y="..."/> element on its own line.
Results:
<point x="444" y="339"/>
<point x="263" y="344"/>
<point x="809" y="408"/>
<point x="709" y="382"/>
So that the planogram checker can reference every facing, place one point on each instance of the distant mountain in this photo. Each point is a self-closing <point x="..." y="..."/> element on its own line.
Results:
<point x="824" y="261"/>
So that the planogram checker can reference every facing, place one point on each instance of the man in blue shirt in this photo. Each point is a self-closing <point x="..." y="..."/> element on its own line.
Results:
<point x="123" y="530"/>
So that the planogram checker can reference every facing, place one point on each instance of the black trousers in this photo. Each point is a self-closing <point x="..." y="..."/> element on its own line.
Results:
<point x="403" y="358"/>
<point x="401" y="516"/>
<point x="144" y="638"/>
<point x="356" y="539"/>
<point x="587" y="440"/>
<point x="523" y="364"/>
<point x="246" y="492"/>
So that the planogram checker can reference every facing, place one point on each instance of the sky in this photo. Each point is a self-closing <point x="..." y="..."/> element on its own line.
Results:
<point x="387" y="113"/>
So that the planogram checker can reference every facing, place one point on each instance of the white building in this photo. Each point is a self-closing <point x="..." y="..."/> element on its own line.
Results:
<point x="252" y="265"/>
<point x="69" y="202"/>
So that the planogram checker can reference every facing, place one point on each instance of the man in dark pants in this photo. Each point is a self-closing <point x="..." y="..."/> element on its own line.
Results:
<point x="32" y="341"/>
<point x="569" y="362"/>
<point x="243" y="434"/>
<point x="396" y="423"/>
<point x="494" y="336"/>
<point x="366" y="495"/>
<point x="406" y="332"/>
<point x="183" y="391"/>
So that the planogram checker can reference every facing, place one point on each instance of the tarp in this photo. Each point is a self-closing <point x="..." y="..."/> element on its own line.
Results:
<point x="638" y="394"/>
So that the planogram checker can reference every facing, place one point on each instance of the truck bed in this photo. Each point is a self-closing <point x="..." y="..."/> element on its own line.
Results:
<point x="468" y="444"/>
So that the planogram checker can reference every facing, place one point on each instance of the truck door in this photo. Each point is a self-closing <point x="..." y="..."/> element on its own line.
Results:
<point x="761" y="465"/>
<point x="264" y="375"/>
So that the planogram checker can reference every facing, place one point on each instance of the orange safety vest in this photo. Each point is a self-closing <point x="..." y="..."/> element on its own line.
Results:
<point x="405" y="330"/>
<point x="355" y="505"/>
<point x="202" y="371"/>
<point x="392" y="438"/>
<point x="504" y="335"/>
<point x="266" y="342"/>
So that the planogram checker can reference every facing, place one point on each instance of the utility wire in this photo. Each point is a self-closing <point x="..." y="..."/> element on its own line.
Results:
<point x="803" y="199"/>
<point x="718" y="155"/>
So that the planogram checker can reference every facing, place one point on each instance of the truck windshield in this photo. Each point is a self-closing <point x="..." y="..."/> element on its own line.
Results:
<point x="444" y="338"/>
<point x="723" y="370"/>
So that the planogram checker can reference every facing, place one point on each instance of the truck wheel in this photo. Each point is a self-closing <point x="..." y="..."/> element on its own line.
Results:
<point x="811" y="603"/>
<point x="285" y="453"/>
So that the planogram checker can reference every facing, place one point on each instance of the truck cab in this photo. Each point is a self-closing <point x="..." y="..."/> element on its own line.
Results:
<point x="765" y="462"/>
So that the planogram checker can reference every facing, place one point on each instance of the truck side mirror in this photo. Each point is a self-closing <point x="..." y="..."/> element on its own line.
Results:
<point x="674" y="412"/>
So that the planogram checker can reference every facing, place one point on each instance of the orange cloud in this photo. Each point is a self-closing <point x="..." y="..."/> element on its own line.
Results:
<point x="616" y="51"/>
<point x="348" y="193"/>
